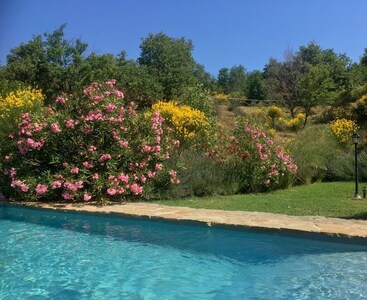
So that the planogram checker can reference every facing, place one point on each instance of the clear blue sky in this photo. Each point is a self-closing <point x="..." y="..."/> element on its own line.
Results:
<point x="224" y="32"/>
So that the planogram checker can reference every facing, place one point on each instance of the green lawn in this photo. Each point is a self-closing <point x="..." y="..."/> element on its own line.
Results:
<point x="331" y="199"/>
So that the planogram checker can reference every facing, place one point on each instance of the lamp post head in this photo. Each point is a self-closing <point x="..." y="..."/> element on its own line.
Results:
<point x="355" y="138"/>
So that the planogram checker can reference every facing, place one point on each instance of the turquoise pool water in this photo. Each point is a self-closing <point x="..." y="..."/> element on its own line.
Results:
<point x="54" y="255"/>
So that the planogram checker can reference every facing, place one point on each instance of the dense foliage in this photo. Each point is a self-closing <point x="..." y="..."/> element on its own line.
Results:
<point x="82" y="148"/>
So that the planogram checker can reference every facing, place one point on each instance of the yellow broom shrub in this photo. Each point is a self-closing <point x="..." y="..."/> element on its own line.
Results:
<point x="188" y="124"/>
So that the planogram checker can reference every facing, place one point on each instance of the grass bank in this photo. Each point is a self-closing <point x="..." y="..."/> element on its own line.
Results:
<point x="330" y="199"/>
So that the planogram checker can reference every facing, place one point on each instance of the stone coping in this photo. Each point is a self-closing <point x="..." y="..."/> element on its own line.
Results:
<point x="211" y="217"/>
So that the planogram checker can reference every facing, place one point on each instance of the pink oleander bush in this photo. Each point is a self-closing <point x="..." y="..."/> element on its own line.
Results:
<point x="86" y="148"/>
<point x="262" y="163"/>
<point x="255" y="161"/>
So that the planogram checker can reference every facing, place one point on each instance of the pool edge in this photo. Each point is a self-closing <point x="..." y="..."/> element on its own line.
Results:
<point x="217" y="218"/>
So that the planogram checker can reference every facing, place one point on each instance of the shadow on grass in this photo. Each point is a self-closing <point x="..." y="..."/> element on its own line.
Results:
<point x="359" y="216"/>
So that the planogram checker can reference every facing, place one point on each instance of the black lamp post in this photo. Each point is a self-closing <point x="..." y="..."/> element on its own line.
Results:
<point x="355" y="138"/>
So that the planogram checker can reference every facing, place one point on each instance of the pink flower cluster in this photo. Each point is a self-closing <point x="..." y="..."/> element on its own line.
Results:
<point x="271" y="160"/>
<point x="112" y="148"/>
<point x="27" y="129"/>
<point x="41" y="189"/>
<point x="20" y="184"/>
<point x="55" y="128"/>
<point x="71" y="123"/>
<point x="173" y="177"/>
<point x="61" y="100"/>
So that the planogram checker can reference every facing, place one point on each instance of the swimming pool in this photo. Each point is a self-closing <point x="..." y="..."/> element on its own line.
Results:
<point x="56" y="255"/>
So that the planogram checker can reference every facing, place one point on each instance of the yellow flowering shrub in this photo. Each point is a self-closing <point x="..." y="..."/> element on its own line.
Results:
<point x="274" y="112"/>
<point x="221" y="97"/>
<point x="343" y="129"/>
<point x="342" y="113"/>
<point x="294" y="124"/>
<point x="362" y="100"/>
<point x="187" y="124"/>
<point x="361" y="108"/>
<point x="20" y="101"/>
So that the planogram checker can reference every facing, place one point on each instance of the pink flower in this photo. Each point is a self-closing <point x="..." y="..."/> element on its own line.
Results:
<point x="267" y="182"/>
<point x="263" y="156"/>
<point x="97" y="98"/>
<point x="111" y="82"/>
<point x="67" y="196"/>
<point x="123" y="178"/>
<point x="12" y="173"/>
<point x="71" y="123"/>
<point x="55" y="128"/>
<point x="7" y="158"/>
<point x="158" y="167"/>
<point x="24" y="188"/>
<point x="292" y="168"/>
<point x="11" y="136"/>
<point x="41" y="189"/>
<point x="123" y="144"/>
<point x="146" y="148"/>
<point x="105" y="157"/>
<point x="275" y="173"/>
<point x="172" y="173"/>
<point x="74" y="170"/>
<point x="110" y="107"/>
<point x="151" y="174"/>
<point x="95" y="176"/>
<point x="88" y="165"/>
<point x="119" y="94"/>
<point x="60" y="100"/>
<point x="87" y="197"/>
<point x="79" y="184"/>
<point x="136" y="189"/>
<point x="111" y="191"/>
<point x="92" y="148"/>
<point x="56" y="184"/>
<point x="121" y="191"/>
<point x="34" y="144"/>
<point x="176" y="143"/>
<point x="70" y="186"/>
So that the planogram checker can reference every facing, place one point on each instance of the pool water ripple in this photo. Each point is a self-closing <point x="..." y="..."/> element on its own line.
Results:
<point x="54" y="255"/>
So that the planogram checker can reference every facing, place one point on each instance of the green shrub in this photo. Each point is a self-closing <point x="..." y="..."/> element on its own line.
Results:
<point x="312" y="149"/>
<point x="342" y="168"/>
<point x="201" y="175"/>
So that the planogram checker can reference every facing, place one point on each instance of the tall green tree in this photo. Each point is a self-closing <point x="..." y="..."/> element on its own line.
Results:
<point x="238" y="81"/>
<point x="256" y="86"/>
<point x="223" y="81"/>
<point x="138" y="83"/>
<point x="49" y="62"/>
<point x="170" y="61"/>
<point x="316" y="87"/>
<point x="281" y="81"/>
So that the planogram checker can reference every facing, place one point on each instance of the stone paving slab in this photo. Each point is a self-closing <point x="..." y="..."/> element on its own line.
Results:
<point x="329" y="226"/>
